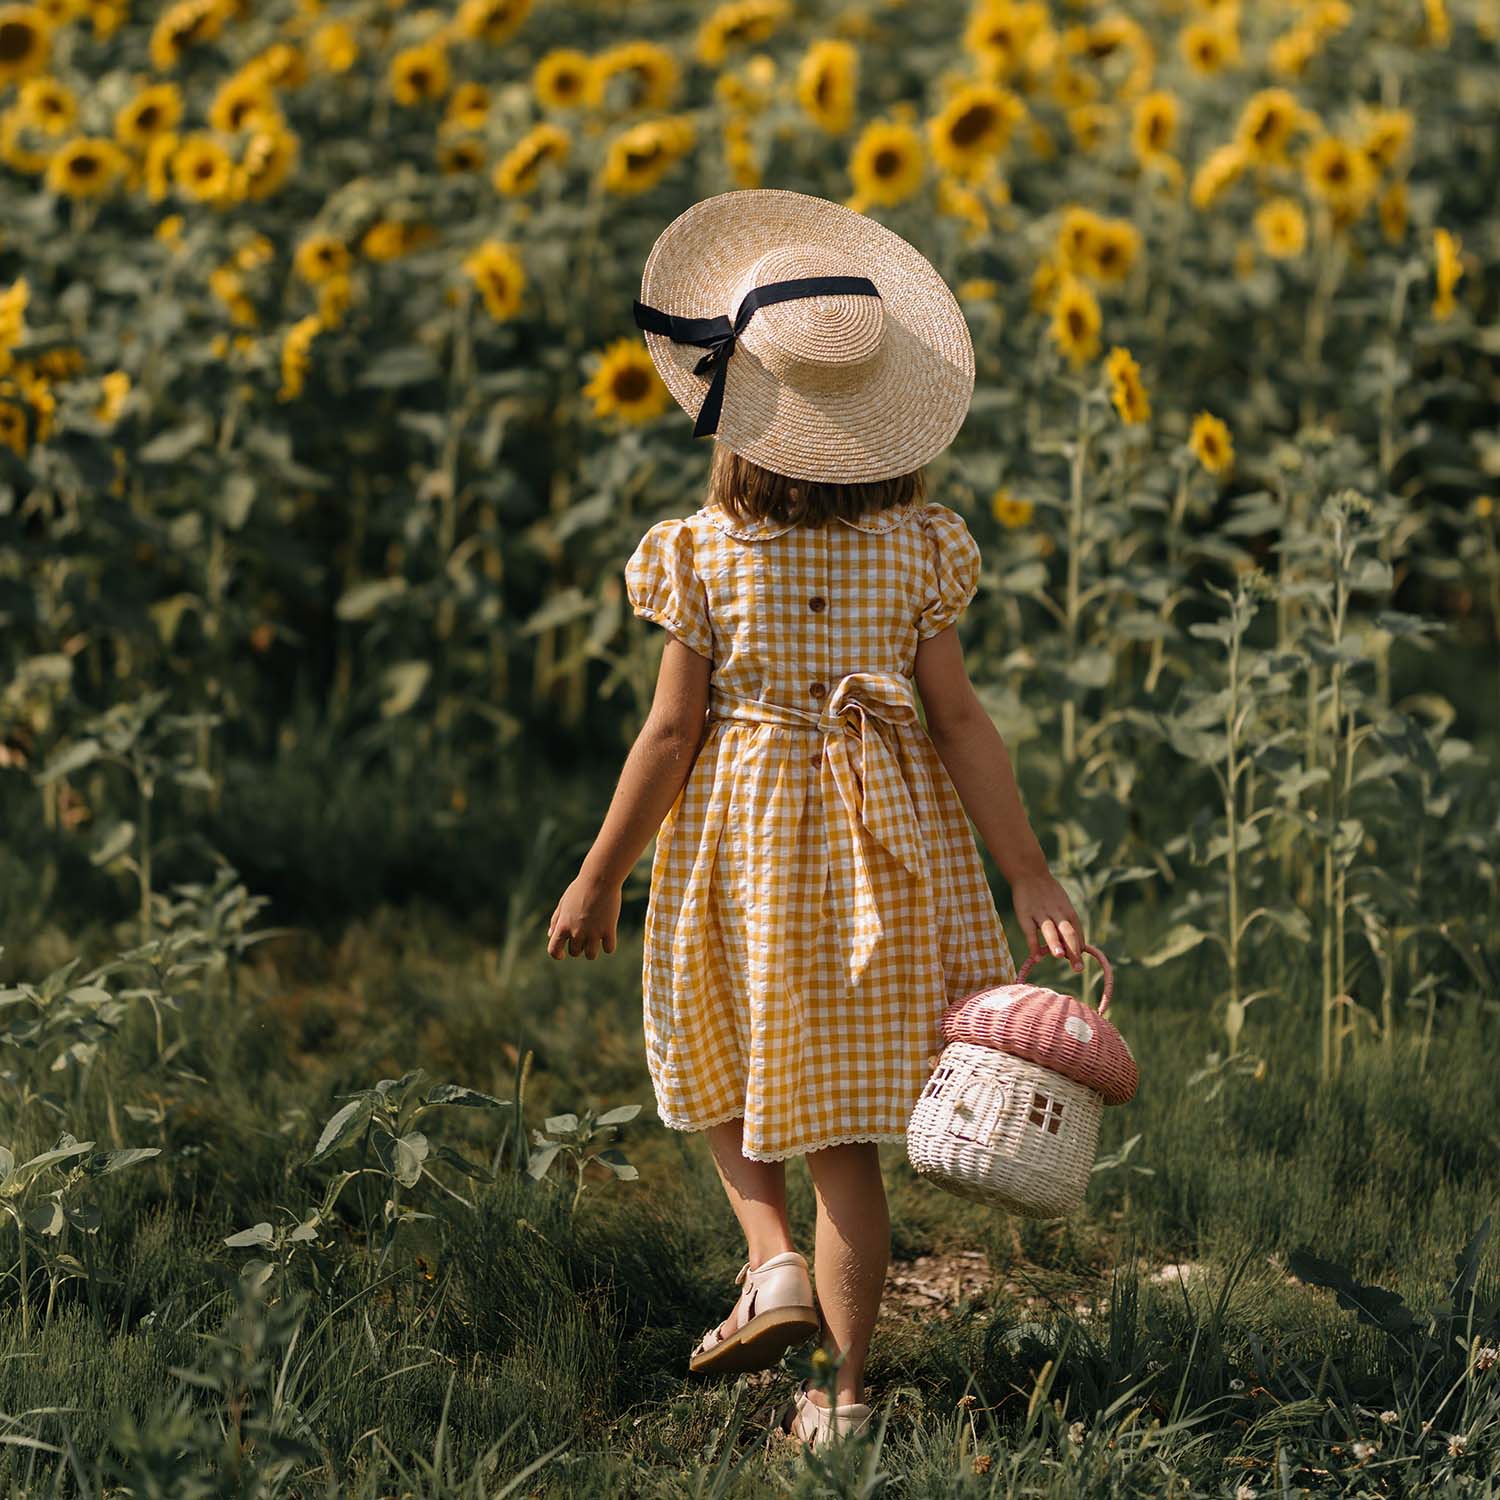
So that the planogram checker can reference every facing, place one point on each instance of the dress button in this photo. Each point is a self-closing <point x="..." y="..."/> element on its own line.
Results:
<point x="816" y="603"/>
<point x="815" y="761"/>
<point x="818" y="689"/>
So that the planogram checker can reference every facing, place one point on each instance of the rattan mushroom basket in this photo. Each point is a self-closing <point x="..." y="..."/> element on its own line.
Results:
<point x="1010" y="1114"/>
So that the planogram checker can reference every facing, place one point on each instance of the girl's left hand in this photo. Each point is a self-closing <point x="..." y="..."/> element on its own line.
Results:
<point x="584" y="920"/>
<point x="1045" y="913"/>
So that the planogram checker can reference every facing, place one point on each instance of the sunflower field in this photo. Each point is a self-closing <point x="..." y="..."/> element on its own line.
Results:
<point x="325" y="432"/>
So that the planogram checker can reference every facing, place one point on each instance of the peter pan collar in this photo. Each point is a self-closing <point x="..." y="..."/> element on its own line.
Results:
<point x="757" y="531"/>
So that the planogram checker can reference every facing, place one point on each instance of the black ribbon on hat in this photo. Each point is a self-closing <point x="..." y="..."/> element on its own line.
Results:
<point x="718" y="335"/>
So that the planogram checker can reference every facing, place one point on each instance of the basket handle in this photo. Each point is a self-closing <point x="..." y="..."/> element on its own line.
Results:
<point x="1109" y="973"/>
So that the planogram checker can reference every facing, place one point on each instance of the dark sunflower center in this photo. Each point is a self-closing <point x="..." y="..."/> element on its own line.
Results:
<point x="1267" y="128"/>
<point x="972" y="125"/>
<point x="1338" y="169"/>
<point x="1075" y="323"/>
<point x="638" y="161"/>
<point x="631" y="384"/>
<point x="420" y="78"/>
<point x="17" y="40"/>
<point x="823" y="89"/>
<point x="887" y="162"/>
<point x="203" y="168"/>
<point x="84" y="165"/>
<point x="148" y="116"/>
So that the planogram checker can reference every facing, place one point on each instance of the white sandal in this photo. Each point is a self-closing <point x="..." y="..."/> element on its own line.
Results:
<point x="817" y="1426"/>
<point x="775" y="1313"/>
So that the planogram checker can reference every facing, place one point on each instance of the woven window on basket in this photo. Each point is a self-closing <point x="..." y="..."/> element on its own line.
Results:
<point x="1045" y="1111"/>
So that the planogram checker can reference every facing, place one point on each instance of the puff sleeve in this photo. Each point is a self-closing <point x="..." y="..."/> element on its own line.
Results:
<point x="663" y="586"/>
<point x="952" y="569"/>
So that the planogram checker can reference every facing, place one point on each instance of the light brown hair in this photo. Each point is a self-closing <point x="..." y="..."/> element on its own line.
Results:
<point x="750" y="493"/>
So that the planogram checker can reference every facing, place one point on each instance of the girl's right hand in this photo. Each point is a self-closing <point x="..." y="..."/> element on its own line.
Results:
<point x="1047" y="917"/>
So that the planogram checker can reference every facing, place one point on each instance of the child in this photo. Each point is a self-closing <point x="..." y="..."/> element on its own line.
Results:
<point x="817" y="898"/>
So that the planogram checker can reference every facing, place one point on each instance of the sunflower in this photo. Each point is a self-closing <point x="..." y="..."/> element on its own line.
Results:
<point x="335" y="47"/>
<point x="269" y="158"/>
<point x="977" y="289"/>
<point x="1000" y="35"/>
<point x="85" y="167"/>
<point x="320" y="256"/>
<point x="887" y="163"/>
<point x="1089" y="124"/>
<point x="1447" y="270"/>
<point x="1009" y="510"/>
<point x="202" y="169"/>
<point x="1392" y="209"/>
<point x="419" y="75"/>
<point x="739" y="154"/>
<point x="638" y="158"/>
<point x="280" y="66"/>
<point x="1113" y="36"/>
<point x="114" y="388"/>
<point x="386" y="239"/>
<point x="1266" y="125"/>
<point x="1071" y="87"/>
<point x="334" y="296"/>
<point x="181" y="26"/>
<point x="13" y="427"/>
<point x="520" y="168"/>
<point x="457" y="157"/>
<point x="1282" y="227"/>
<point x="13" y="303"/>
<point x="1208" y="48"/>
<point x="1075" y="320"/>
<point x="492" y="21"/>
<point x="155" y="109"/>
<point x="640" y="75"/>
<point x="1125" y="388"/>
<point x="1387" y="136"/>
<point x="956" y="200"/>
<point x="1339" y="174"/>
<point x="1076" y="235"/>
<point x="1113" y="251"/>
<point x="25" y="42"/>
<point x="560" y="80"/>
<point x="296" y="355"/>
<point x="973" y="127"/>
<point x="156" y="170"/>
<point x="500" y="277"/>
<point x="625" y="384"/>
<point x="737" y="24"/>
<point x="1153" y="126"/>
<point x="1046" y="281"/>
<point x="243" y="103"/>
<point x="1211" y="444"/>
<point x="1219" y="171"/>
<point x="1439" y="28"/>
<point x="468" y="108"/>
<point x="827" y="81"/>
<point x="47" y="104"/>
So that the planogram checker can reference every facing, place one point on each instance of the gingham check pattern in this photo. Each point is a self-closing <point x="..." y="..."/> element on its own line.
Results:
<point x="817" y="897"/>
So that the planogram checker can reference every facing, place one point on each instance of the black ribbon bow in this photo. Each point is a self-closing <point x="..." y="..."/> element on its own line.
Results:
<point x="718" y="335"/>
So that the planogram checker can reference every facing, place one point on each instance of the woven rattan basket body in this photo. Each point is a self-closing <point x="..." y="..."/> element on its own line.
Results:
<point x="1010" y="1115"/>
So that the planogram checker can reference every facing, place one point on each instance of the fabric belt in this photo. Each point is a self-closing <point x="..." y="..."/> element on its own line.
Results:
<point x="860" y="754"/>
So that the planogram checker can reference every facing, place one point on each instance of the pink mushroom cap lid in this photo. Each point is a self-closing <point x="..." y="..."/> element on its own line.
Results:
<point x="1051" y="1029"/>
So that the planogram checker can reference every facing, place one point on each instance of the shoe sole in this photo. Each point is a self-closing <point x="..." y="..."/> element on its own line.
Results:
<point x="759" y="1344"/>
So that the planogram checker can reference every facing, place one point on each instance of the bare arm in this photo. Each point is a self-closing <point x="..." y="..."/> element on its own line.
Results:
<point x="977" y="762"/>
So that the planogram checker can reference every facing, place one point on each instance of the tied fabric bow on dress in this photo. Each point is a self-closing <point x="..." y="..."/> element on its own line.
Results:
<point x="867" y="774"/>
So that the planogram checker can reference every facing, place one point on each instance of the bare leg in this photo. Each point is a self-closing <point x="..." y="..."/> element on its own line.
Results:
<point x="853" y="1250"/>
<point x="757" y="1194"/>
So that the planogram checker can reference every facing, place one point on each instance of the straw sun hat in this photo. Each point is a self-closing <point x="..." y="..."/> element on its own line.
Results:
<point x="852" y="360"/>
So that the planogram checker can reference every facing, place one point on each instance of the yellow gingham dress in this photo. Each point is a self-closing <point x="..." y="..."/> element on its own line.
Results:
<point x="817" y="896"/>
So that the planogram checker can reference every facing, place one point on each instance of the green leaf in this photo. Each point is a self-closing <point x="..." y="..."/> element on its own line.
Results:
<point x="77" y="755"/>
<point x="258" y="1234"/>
<point x="176" y="443"/>
<point x="113" y="844"/>
<point x="394" y="368"/>
<point x="403" y="683"/>
<point x="560" y="1124"/>
<point x="619" y="1115"/>
<point x="236" y="500"/>
<point x="614" y="1159"/>
<point x="541" y="1159"/>
<point x="46" y="1218"/>
<point x="1181" y="939"/>
<point x="116" y="1161"/>
<point x="411" y="1152"/>
<point x="342" y="1127"/>
<point x="450" y="1157"/>
<point x="365" y="598"/>
<point x="455" y="1093"/>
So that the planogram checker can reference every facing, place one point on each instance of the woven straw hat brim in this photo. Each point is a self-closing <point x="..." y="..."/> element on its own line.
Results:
<point x="880" y="416"/>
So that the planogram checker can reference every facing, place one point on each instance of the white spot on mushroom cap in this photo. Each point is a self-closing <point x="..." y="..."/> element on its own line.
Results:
<point x="1077" y="1027"/>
